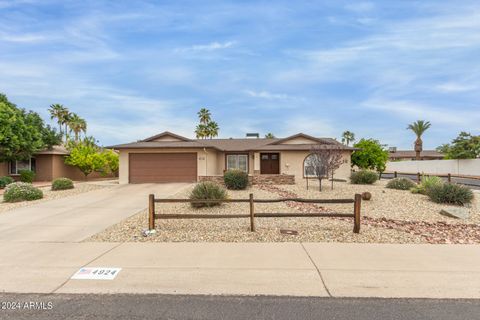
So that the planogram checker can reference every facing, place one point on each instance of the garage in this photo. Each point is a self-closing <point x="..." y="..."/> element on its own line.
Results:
<point x="162" y="167"/>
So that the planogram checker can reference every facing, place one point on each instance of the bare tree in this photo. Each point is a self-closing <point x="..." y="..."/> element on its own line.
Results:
<point x="323" y="161"/>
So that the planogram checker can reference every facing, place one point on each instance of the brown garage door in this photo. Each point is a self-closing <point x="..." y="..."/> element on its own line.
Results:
<point x="162" y="167"/>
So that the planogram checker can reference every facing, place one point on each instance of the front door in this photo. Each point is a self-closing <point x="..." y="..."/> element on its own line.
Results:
<point x="269" y="163"/>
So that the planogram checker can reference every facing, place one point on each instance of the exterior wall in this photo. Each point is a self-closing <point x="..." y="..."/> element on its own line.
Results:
<point x="221" y="164"/>
<point x="44" y="167"/>
<point x="299" y="140"/>
<point x="3" y="169"/>
<point x="467" y="167"/>
<point x="167" y="138"/>
<point x="207" y="162"/>
<point x="291" y="162"/>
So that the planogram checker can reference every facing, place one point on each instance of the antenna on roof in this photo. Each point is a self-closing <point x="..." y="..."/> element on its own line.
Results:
<point x="253" y="135"/>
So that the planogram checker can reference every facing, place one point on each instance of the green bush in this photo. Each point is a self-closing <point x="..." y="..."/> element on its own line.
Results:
<point x="21" y="191"/>
<point x="401" y="184"/>
<point x="27" y="176"/>
<point x="208" y="191"/>
<point x="426" y="184"/>
<point x="363" y="177"/>
<point x="235" y="179"/>
<point x="5" y="180"/>
<point x="62" y="184"/>
<point x="450" y="193"/>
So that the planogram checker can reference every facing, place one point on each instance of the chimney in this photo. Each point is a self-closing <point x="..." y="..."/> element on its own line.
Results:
<point x="253" y="135"/>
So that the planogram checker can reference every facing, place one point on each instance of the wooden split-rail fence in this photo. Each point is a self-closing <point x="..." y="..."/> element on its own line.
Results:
<point x="356" y="201"/>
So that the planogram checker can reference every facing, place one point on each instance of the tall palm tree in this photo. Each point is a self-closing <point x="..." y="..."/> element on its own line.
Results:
<point x="204" y="116"/>
<point x="201" y="131"/>
<point x="67" y="117"/>
<point x="347" y="137"/>
<point x="58" y="112"/>
<point x="419" y="127"/>
<point x="269" y="136"/>
<point x="212" y="129"/>
<point x="77" y="125"/>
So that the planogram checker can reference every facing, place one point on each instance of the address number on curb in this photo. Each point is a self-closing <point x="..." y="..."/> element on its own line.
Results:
<point x="98" y="273"/>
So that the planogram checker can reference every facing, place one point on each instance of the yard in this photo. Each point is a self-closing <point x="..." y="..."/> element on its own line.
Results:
<point x="392" y="216"/>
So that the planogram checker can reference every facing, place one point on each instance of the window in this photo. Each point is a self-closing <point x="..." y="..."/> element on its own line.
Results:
<point x="237" y="161"/>
<point x="312" y="167"/>
<point x="17" y="166"/>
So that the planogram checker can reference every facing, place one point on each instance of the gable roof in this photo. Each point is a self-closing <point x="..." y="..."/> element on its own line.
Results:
<point x="236" y="145"/>
<point x="166" y="134"/>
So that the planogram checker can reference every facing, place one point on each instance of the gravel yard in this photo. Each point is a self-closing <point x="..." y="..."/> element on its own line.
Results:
<point x="48" y="194"/>
<point x="392" y="216"/>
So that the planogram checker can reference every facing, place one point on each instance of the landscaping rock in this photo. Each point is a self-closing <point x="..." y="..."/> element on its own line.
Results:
<point x="458" y="213"/>
<point x="367" y="196"/>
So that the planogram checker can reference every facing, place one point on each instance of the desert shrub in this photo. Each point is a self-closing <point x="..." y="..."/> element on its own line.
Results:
<point x="363" y="177"/>
<point x="401" y="184"/>
<point x="27" y="176"/>
<point x="62" y="184"/>
<point x="235" y="179"/>
<point x="426" y="184"/>
<point x="21" y="191"/>
<point x="450" y="193"/>
<point x="4" y="181"/>
<point x="209" y="191"/>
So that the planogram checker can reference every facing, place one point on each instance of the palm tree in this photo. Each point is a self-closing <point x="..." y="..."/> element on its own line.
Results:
<point x="269" y="136"/>
<point x="204" y="116"/>
<point x="66" y="120"/>
<point x="212" y="129"/>
<point x="58" y="112"/>
<point x="419" y="127"/>
<point x="77" y="125"/>
<point x="201" y="131"/>
<point x="347" y="137"/>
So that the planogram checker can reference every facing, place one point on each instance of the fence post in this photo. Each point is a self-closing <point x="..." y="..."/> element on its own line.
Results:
<point x="449" y="177"/>
<point x="151" y="212"/>
<point x="252" y="213"/>
<point x="356" y="213"/>
<point x="395" y="174"/>
<point x="418" y="177"/>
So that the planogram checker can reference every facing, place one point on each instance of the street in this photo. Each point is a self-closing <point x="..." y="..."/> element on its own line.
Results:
<point x="122" y="306"/>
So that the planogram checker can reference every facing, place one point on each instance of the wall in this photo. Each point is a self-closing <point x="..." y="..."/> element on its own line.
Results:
<point x="3" y="169"/>
<point x="43" y="167"/>
<point x="207" y="163"/>
<point x="291" y="162"/>
<point x="467" y="167"/>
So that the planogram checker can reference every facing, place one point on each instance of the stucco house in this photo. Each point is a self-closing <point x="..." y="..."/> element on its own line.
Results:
<point x="168" y="157"/>
<point x="47" y="164"/>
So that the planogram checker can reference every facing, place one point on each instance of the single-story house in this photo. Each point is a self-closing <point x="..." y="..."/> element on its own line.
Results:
<point x="168" y="157"/>
<point x="402" y="155"/>
<point x="47" y="164"/>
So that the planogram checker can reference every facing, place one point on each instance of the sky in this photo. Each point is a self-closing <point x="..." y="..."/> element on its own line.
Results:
<point x="136" y="68"/>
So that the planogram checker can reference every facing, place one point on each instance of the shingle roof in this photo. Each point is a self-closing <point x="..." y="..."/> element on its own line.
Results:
<point x="61" y="150"/>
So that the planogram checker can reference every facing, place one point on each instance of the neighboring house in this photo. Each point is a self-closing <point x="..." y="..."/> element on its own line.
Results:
<point x="47" y="164"/>
<point x="399" y="155"/>
<point x="168" y="157"/>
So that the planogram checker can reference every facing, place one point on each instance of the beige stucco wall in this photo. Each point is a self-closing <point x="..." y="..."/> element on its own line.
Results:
<point x="207" y="161"/>
<point x="291" y="162"/>
<point x="300" y="140"/>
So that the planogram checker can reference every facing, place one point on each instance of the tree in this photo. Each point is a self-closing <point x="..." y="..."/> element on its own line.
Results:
<point x="347" y="137"/>
<point x="419" y="127"/>
<point x="111" y="161"/>
<point x="212" y="129"/>
<point x="201" y="131"/>
<point x="370" y="155"/>
<point x="77" y="125"/>
<point x="58" y="113"/>
<point x="85" y="156"/>
<point x="465" y="146"/>
<point x="206" y="128"/>
<point x="269" y="136"/>
<point x="321" y="162"/>
<point x="204" y="116"/>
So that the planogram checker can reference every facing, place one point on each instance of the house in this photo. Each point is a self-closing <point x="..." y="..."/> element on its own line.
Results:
<point x="400" y="155"/>
<point x="47" y="164"/>
<point x="168" y="157"/>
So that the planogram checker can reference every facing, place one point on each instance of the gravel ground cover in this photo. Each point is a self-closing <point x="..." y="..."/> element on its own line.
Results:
<point x="48" y="194"/>
<point x="268" y="229"/>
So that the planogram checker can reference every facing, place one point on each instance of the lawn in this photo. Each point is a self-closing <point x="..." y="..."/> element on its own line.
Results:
<point x="392" y="216"/>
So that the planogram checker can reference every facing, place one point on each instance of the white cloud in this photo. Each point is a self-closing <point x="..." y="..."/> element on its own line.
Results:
<point x="455" y="87"/>
<point x="212" y="46"/>
<point x="266" y="95"/>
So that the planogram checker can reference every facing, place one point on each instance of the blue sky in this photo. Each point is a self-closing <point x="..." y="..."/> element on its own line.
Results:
<point x="136" y="68"/>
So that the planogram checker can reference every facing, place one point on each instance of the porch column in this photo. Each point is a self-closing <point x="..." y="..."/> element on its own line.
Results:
<point x="256" y="163"/>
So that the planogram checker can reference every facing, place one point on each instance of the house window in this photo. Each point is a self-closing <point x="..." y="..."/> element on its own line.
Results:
<point x="19" y="165"/>
<point x="237" y="161"/>
<point x="312" y="167"/>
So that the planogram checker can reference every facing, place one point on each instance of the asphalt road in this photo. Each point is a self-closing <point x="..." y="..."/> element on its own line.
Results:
<point x="63" y="306"/>
<point x="471" y="183"/>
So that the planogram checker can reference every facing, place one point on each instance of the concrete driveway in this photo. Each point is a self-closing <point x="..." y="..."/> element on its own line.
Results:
<point x="75" y="218"/>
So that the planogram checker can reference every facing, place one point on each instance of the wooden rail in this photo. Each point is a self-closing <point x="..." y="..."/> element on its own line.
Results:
<point x="419" y="175"/>
<point x="357" y="200"/>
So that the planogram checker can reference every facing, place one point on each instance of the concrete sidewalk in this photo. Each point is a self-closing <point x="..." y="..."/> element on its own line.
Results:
<point x="293" y="269"/>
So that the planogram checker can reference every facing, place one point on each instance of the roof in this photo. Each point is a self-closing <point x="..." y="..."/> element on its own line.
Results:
<point x="60" y="150"/>
<point x="166" y="134"/>
<point x="412" y="154"/>
<point x="229" y="145"/>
